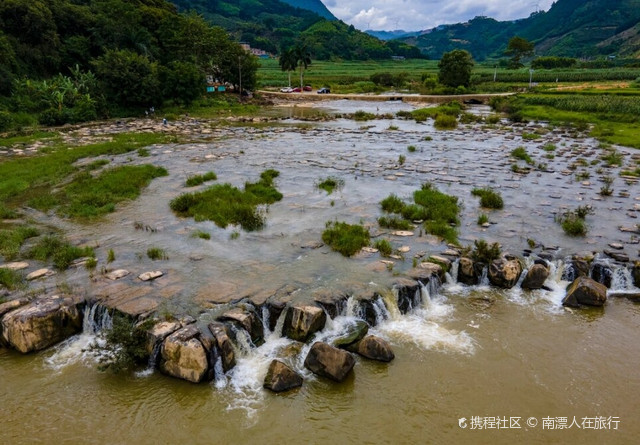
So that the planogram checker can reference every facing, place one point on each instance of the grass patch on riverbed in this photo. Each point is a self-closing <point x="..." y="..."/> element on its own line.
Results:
<point x="194" y="180"/>
<point x="31" y="179"/>
<point x="89" y="197"/>
<point x="489" y="198"/>
<point x="330" y="184"/>
<point x="11" y="279"/>
<point x="225" y="204"/>
<point x="345" y="238"/>
<point x="59" y="251"/>
<point x="439" y="211"/>
<point x="11" y="239"/>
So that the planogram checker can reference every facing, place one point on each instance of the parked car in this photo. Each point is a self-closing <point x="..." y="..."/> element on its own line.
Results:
<point x="286" y="90"/>
<point x="297" y="90"/>
<point x="308" y="88"/>
<point x="324" y="90"/>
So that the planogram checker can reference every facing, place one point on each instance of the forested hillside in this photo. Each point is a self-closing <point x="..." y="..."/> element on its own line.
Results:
<point x="571" y="28"/>
<point x="72" y="60"/>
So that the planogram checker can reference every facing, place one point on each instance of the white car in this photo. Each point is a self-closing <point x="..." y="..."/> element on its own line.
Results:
<point x="286" y="90"/>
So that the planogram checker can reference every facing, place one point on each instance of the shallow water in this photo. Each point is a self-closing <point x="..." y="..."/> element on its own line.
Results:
<point x="467" y="351"/>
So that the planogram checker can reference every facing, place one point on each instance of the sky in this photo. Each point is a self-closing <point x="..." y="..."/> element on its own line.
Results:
<point x="416" y="15"/>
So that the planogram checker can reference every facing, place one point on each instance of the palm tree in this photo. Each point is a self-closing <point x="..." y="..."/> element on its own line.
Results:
<point x="303" y="59"/>
<point x="288" y="62"/>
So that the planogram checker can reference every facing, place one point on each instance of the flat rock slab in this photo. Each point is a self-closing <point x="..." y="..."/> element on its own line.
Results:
<point x="402" y="233"/>
<point x="152" y="275"/>
<point x="15" y="266"/>
<point x="40" y="273"/>
<point x="117" y="274"/>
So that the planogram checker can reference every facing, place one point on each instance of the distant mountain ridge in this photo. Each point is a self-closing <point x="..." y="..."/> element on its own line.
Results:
<point x="390" y="35"/>
<point x="572" y="28"/>
<point x="312" y="5"/>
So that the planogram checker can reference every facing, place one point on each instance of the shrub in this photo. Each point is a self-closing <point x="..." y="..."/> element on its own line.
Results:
<point x="411" y="148"/>
<point x="6" y="121"/>
<point x="126" y="344"/>
<point x="330" y="184"/>
<point x="384" y="247"/>
<point x="489" y="198"/>
<point x="484" y="252"/>
<point x="345" y="238"/>
<point x="401" y="159"/>
<point x="363" y="116"/>
<point x="111" y="256"/>
<point x="573" y="221"/>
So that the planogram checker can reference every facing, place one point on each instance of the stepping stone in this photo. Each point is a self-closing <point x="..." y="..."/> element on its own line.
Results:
<point x="40" y="273"/>
<point x="117" y="274"/>
<point x="402" y="233"/>
<point x="152" y="275"/>
<point x="616" y="246"/>
<point x="404" y="249"/>
<point x="15" y="266"/>
<point x="369" y="250"/>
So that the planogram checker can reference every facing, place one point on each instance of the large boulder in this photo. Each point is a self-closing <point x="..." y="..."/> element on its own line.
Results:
<point x="327" y="361"/>
<point x="409" y="293"/>
<point x="536" y="276"/>
<point x="333" y="301"/>
<point x="280" y="377"/>
<point x="375" y="348"/>
<point x="577" y="267"/>
<point x="42" y="323"/>
<point x="355" y="332"/>
<point x="302" y="321"/>
<point x="505" y="273"/>
<point x="160" y="331"/>
<point x="224" y="345"/>
<point x="585" y="291"/>
<point x="184" y="356"/>
<point x="602" y="273"/>
<point x="247" y="320"/>
<point x="467" y="272"/>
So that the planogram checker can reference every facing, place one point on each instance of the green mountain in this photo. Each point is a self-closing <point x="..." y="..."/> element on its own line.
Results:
<point x="571" y="28"/>
<point x="273" y="25"/>
<point x="312" y="5"/>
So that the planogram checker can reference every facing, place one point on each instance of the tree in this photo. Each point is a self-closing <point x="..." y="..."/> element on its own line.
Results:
<point x="303" y="60"/>
<point x="455" y="68"/>
<point x="517" y="49"/>
<point x="288" y="62"/>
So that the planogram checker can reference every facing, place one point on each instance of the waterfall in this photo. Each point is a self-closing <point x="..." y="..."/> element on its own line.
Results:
<point x="265" y="318"/>
<point x="484" y="278"/>
<point x="451" y="277"/>
<point x="81" y="347"/>
<point x="382" y="312"/>
<point x="96" y="318"/>
<point x="390" y="301"/>
<point x="622" y="280"/>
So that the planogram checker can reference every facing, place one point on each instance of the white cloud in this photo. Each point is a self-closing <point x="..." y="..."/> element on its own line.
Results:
<point x="414" y="15"/>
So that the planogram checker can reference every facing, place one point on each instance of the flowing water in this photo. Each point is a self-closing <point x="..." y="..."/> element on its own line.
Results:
<point x="461" y="351"/>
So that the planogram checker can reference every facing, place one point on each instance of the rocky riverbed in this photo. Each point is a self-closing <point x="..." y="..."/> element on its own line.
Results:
<point x="216" y="299"/>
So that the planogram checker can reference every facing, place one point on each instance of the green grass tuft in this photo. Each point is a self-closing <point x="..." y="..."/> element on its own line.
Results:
<point x="489" y="198"/>
<point x="393" y="222"/>
<point x="330" y="184"/>
<point x="192" y="181"/>
<point x="11" y="279"/>
<point x="224" y="204"/>
<point x="89" y="197"/>
<point x="59" y="250"/>
<point x="345" y="238"/>
<point x="156" y="253"/>
<point x="521" y="153"/>
<point x="12" y="239"/>
<point x="200" y="234"/>
<point x="384" y="247"/>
